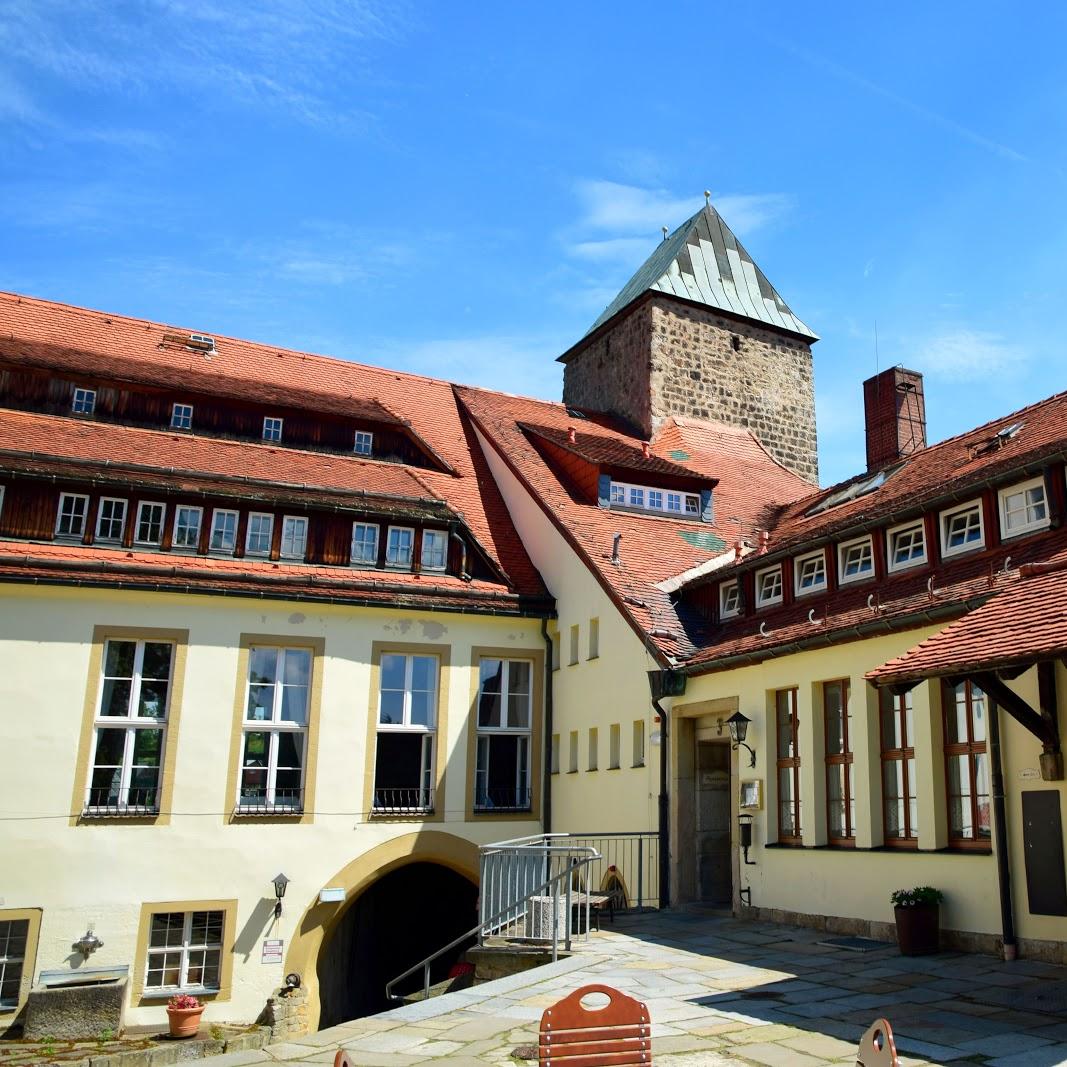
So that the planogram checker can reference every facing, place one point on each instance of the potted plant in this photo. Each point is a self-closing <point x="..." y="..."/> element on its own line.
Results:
<point x="917" y="913"/>
<point x="183" y="1014"/>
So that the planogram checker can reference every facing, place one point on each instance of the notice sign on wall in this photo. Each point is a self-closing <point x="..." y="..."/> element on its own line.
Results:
<point x="272" y="951"/>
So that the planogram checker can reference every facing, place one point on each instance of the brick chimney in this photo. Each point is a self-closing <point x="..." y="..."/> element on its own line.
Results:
<point x="895" y="415"/>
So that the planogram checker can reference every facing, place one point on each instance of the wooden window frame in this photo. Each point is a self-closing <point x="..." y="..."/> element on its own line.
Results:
<point x="195" y="547"/>
<point x="725" y="590"/>
<point x="1006" y="533"/>
<point x="356" y="441"/>
<point x="181" y="416"/>
<point x="87" y="397"/>
<point x="141" y="997"/>
<point x="409" y="563"/>
<point x="98" y="537"/>
<point x="84" y="517"/>
<point x="364" y="563"/>
<point x="32" y="918"/>
<point x="890" y="551"/>
<point x="843" y="551"/>
<point x="429" y="534"/>
<point x="791" y="763"/>
<point x="970" y="749"/>
<point x="798" y="574"/>
<point x="141" y="506"/>
<point x="771" y="601"/>
<point x="248" y="641"/>
<point x="844" y="759"/>
<point x="272" y="419"/>
<point x="292" y="556"/>
<point x="944" y="521"/>
<point x="265" y="553"/>
<point x="215" y="513"/>
<point x="889" y="756"/>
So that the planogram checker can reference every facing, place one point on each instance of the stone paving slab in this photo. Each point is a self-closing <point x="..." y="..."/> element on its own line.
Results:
<point x="727" y="993"/>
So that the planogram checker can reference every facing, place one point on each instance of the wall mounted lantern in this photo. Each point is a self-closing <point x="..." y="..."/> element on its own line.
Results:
<point x="88" y="943"/>
<point x="738" y="725"/>
<point x="280" y="882"/>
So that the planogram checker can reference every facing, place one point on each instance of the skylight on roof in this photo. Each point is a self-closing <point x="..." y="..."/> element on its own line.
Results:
<point x="576" y="414"/>
<point x="854" y="490"/>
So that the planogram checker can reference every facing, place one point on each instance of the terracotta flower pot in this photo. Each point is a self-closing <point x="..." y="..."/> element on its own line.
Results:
<point x="184" y="1022"/>
<point x="918" y="929"/>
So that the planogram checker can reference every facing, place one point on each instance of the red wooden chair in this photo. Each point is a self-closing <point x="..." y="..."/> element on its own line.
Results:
<point x="877" y="1047"/>
<point x="616" y="1033"/>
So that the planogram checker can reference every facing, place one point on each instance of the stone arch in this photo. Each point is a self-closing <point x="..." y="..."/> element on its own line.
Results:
<point x="318" y="921"/>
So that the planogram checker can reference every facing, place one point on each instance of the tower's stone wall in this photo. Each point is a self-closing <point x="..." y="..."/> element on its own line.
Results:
<point x="666" y="358"/>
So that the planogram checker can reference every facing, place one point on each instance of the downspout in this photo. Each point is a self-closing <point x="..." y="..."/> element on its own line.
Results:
<point x="1000" y="836"/>
<point x="664" y="683"/>
<point x="546" y="744"/>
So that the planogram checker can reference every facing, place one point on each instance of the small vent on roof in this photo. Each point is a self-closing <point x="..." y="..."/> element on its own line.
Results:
<point x="1009" y="431"/>
<point x="202" y="342"/>
<point x="997" y="441"/>
<point x="575" y="413"/>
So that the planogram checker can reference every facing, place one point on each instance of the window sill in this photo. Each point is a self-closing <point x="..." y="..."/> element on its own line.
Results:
<point x="638" y="766"/>
<point x="190" y="991"/>
<point x="504" y="811"/>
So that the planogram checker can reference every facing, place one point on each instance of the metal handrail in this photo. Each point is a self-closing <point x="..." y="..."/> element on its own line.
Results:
<point x="486" y="924"/>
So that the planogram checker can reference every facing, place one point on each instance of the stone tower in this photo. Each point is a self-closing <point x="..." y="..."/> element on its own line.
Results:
<point x="700" y="331"/>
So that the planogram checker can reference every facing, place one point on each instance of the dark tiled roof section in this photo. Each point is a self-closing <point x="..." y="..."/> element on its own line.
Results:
<point x="1026" y="621"/>
<point x="903" y="601"/>
<point x="57" y="563"/>
<point x="959" y="465"/>
<point x="610" y="450"/>
<point x="653" y="548"/>
<point x="243" y="367"/>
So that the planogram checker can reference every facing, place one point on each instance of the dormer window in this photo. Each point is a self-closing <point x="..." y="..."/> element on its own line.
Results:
<point x="855" y="560"/>
<point x="810" y="573"/>
<point x="272" y="429"/>
<point x="181" y="416"/>
<point x="84" y="402"/>
<point x="645" y="498"/>
<point x="907" y="546"/>
<point x="729" y="599"/>
<point x="363" y="443"/>
<point x="1023" y="508"/>
<point x="434" y="550"/>
<point x="769" y="586"/>
<point x="398" y="547"/>
<point x="962" y="529"/>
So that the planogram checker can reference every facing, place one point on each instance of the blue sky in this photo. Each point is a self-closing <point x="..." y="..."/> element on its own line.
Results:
<point x="459" y="189"/>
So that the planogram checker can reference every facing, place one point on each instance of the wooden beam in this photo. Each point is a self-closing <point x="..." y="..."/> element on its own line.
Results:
<point x="1046" y="695"/>
<point x="1010" y="673"/>
<point x="1015" y="706"/>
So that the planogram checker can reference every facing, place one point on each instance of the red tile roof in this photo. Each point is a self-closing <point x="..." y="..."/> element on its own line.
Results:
<point x="654" y="548"/>
<point x="1023" y="623"/>
<point x="951" y="466"/>
<point x="82" y="339"/>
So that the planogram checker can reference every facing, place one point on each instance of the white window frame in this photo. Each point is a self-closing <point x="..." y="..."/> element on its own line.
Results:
<point x="83" y="402"/>
<point x="670" y="501"/>
<point x="890" y="537"/>
<point x="274" y="726"/>
<point x="799" y="564"/>
<point x="843" y="551"/>
<point x="258" y="553"/>
<point x="181" y="416"/>
<point x="524" y="734"/>
<point x="273" y="428"/>
<point x="363" y="438"/>
<point x="428" y="731"/>
<point x="725" y="590"/>
<point x="763" y="601"/>
<point x="131" y="723"/>
<point x="431" y="534"/>
<point x="1023" y="488"/>
<point x="84" y="517"/>
<point x="215" y="514"/>
<point x="944" y="521"/>
<point x="392" y="564"/>
<point x="10" y="959"/>
<point x="107" y="538"/>
<point x="186" y="949"/>
<point x="361" y="562"/>
<point x="142" y="505"/>
<point x="292" y="553"/>
<point x="178" y="509"/>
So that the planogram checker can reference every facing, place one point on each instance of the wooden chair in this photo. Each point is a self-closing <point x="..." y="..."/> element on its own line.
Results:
<point x="877" y="1047"/>
<point x="617" y="1033"/>
<point x="342" y="1060"/>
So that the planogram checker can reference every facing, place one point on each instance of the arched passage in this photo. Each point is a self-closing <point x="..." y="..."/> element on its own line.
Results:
<point x="318" y="921"/>
<point x="393" y="924"/>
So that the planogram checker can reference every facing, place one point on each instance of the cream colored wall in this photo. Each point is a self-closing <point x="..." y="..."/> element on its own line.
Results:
<point x="594" y="693"/>
<point x="856" y="883"/>
<point x="100" y="873"/>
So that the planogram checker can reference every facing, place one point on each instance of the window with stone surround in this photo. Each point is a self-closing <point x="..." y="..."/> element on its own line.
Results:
<point x="788" y="766"/>
<point x="899" y="799"/>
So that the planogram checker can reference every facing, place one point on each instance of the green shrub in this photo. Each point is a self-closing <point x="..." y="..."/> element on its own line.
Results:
<point x="923" y="894"/>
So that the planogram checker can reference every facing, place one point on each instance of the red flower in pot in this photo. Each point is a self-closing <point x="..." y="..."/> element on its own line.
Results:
<point x="183" y="1014"/>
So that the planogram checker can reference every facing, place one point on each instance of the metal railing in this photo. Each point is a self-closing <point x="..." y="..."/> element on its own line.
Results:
<point x="502" y="799"/>
<point x="628" y="868"/>
<point x="544" y="907"/>
<point x="417" y="801"/>
<point x="284" y="802"/>
<point x="105" y="803"/>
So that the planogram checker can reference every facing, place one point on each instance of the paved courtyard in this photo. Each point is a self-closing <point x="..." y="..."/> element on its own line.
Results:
<point x="729" y="994"/>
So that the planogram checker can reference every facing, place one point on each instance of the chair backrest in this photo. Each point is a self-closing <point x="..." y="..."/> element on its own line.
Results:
<point x="342" y="1060"/>
<point x="877" y="1048"/>
<point x="574" y="1035"/>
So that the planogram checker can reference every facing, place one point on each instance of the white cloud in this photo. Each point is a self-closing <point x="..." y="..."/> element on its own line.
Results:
<point x="965" y="355"/>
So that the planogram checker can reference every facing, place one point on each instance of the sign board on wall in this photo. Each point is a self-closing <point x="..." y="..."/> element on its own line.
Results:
<point x="272" y="950"/>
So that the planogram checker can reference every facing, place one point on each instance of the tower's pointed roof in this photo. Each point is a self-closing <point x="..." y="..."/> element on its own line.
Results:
<point x="703" y="261"/>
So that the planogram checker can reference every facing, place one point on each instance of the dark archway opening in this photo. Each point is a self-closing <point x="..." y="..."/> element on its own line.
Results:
<point x="393" y="924"/>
